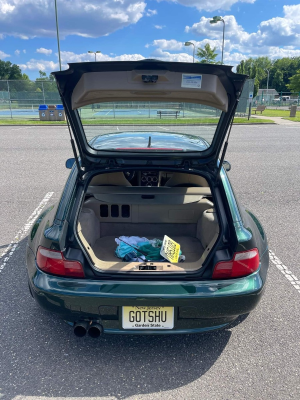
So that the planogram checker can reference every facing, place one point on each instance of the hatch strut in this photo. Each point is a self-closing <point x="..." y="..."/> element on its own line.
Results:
<point x="226" y="143"/>
<point x="80" y="172"/>
<point x="74" y="150"/>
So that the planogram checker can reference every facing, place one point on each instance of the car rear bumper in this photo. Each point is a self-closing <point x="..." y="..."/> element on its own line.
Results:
<point x="198" y="306"/>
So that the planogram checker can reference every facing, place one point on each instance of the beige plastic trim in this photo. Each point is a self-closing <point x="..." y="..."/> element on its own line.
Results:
<point x="163" y="267"/>
<point x="164" y="212"/>
<point x="97" y="87"/>
<point x="156" y="190"/>
<point x="124" y="267"/>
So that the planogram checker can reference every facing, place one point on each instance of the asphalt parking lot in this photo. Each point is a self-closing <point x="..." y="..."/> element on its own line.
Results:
<point x="258" y="357"/>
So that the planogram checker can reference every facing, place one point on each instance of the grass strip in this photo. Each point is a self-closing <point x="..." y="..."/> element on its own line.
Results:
<point x="295" y="119"/>
<point x="273" y="113"/>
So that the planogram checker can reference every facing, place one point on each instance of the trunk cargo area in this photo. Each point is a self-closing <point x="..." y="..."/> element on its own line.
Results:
<point x="186" y="215"/>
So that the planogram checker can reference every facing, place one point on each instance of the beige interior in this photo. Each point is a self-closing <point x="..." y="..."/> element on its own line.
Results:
<point x="183" y="213"/>
<point x="180" y="178"/>
<point x="114" y="178"/>
<point x="96" y="87"/>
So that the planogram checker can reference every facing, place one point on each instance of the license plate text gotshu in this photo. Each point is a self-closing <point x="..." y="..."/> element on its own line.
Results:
<point x="148" y="316"/>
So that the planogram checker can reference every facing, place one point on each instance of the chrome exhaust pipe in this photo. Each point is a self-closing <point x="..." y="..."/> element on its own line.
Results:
<point x="80" y="328"/>
<point x="95" y="330"/>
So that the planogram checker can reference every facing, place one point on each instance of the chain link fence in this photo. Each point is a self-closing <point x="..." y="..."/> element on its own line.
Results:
<point x="20" y="99"/>
<point x="273" y="99"/>
<point x="243" y="106"/>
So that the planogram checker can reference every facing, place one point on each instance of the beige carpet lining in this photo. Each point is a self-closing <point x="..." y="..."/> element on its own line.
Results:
<point x="104" y="248"/>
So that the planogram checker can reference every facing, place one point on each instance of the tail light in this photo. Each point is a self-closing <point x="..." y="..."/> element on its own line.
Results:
<point x="243" y="263"/>
<point x="53" y="262"/>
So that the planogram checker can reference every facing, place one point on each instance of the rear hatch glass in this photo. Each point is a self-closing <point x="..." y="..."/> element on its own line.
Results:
<point x="149" y="125"/>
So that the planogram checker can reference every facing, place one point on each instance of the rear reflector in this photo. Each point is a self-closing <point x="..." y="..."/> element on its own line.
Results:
<point x="243" y="263"/>
<point x="53" y="262"/>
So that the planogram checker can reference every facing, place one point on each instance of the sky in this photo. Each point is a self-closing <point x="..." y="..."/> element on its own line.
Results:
<point x="137" y="29"/>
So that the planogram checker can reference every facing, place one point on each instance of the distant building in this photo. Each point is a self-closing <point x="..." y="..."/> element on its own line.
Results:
<point x="266" y="96"/>
<point x="269" y="92"/>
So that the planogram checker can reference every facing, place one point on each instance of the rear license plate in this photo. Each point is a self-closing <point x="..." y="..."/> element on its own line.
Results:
<point x="144" y="317"/>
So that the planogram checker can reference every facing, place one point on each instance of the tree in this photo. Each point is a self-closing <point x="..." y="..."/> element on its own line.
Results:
<point x="277" y="80"/>
<point x="10" y="71"/>
<point x="240" y="69"/>
<point x="43" y="75"/>
<point x="294" y="84"/>
<point x="281" y="70"/>
<point x="207" y="55"/>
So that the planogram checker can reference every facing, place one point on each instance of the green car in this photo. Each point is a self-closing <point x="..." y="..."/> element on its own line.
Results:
<point x="148" y="236"/>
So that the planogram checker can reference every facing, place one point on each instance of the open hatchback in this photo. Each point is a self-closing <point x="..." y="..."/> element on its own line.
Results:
<point x="149" y="140"/>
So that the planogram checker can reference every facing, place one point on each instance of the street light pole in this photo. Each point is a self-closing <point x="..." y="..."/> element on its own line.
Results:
<point x="268" y="71"/>
<point x="223" y="40"/>
<point x="215" y="20"/>
<point x="57" y="34"/>
<point x="191" y="44"/>
<point x="94" y="52"/>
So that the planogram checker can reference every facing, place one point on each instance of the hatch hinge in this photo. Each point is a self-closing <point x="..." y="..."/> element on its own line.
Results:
<point x="79" y="169"/>
<point x="80" y="172"/>
<point x="186" y="164"/>
<point x="112" y="163"/>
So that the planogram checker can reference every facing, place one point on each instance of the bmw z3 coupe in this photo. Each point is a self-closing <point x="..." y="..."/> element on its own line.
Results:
<point x="148" y="236"/>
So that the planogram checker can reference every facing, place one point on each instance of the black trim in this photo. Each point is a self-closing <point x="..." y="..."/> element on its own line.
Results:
<point x="67" y="80"/>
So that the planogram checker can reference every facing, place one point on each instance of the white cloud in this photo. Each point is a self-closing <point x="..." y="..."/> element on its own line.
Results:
<point x="167" y="56"/>
<point x="3" y="55"/>
<point x="205" y="28"/>
<point x="164" y="44"/>
<point x="24" y="51"/>
<point x="279" y="35"/>
<point x="17" y="52"/>
<point x="234" y="58"/>
<point x="42" y="50"/>
<point x="159" y="26"/>
<point x="88" y="18"/>
<point x="70" y="57"/>
<point x="150" y="13"/>
<point x="210" y="5"/>
<point x="292" y="12"/>
<point x="6" y="8"/>
<point x="36" y="65"/>
<point x="164" y="47"/>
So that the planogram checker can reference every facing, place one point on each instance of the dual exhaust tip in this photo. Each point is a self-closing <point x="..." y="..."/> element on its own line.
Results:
<point x="93" y="329"/>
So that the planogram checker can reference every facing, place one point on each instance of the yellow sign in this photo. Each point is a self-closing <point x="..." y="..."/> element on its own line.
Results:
<point x="170" y="249"/>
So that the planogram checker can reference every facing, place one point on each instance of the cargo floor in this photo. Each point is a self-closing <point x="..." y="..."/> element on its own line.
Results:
<point x="104" y="248"/>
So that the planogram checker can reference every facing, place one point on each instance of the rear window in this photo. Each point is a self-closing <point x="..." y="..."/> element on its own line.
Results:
<point x="145" y="126"/>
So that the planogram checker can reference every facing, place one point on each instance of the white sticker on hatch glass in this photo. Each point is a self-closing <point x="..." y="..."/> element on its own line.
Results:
<point x="191" y="81"/>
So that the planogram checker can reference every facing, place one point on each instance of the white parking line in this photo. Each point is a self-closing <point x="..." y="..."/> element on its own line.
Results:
<point x="10" y="249"/>
<point x="166" y="129"/>
<point x="294" y="281"/>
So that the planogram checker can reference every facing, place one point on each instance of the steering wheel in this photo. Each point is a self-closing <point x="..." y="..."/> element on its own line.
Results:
<point x="129" y="175"/>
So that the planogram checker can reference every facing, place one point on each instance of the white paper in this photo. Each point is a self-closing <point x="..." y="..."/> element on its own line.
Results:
<point x="191" y="81"/>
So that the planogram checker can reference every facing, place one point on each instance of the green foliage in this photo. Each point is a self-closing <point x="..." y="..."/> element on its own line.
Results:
<point x="240" y="69"/>
<point x="294" y="84"/>
<point x="43" y="75"/>
<point x="207" y="55"/>
<point x="281" y="70"/>
<point x="10" y="71"/>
